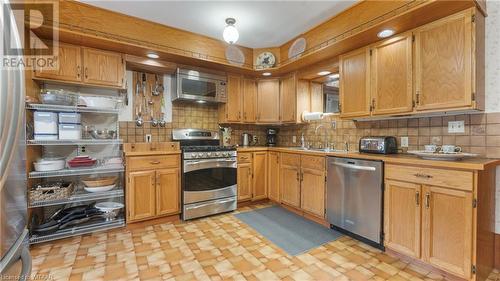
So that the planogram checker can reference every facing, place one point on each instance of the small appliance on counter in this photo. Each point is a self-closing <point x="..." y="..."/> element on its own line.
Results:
<point x="248" y="139"/>
<point x="271" y="137"/>
<point x="226" y="135"/>
<point x="378" y="145"/>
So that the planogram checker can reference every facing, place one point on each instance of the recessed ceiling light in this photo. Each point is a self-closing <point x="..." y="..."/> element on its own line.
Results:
<point x="323" y="73"/>
<point x="385" y="33"/>
<point x="152" y="56"/>
<point x="201" y="101"/>
<point x="334" y="76"/>
<point x="266" y="73"/>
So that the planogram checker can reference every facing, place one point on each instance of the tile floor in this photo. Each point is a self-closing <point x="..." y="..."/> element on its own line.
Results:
<point x="215" y="248"/>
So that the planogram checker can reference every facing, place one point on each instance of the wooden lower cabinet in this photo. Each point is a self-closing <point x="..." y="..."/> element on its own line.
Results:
<point x="259" y="174"/>
<point x="428" y="219"/>
<point x="273" y="175"/>
<point x="402" y="217"/>
<point x="312" y="195"/>
<point x="141" y="195"/>
<point x="152" y="192"/>
<point x="244" y="181"/>
<point x="290" y="179"/>
<point x="447" y="229"/>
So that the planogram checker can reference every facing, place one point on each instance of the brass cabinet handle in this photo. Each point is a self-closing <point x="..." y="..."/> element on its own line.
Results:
<point x="417" y="198"/>
<point x="154" y="162"/>
<point x="418" y="175"/>
<point x="427" y="200"/>
<point x="298" y="176"/>
<point x="302" y="176"/>
<point x="418" y="97"/>
<point x="86" y="73"/>
<point x="78" y="71"/>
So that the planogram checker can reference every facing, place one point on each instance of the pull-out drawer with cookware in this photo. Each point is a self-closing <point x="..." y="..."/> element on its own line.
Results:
<point x="455" y="179"/>
<point x="152" y="162"/>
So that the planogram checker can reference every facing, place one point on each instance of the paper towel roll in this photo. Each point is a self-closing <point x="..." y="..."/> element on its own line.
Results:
<point x="312" y="116"/>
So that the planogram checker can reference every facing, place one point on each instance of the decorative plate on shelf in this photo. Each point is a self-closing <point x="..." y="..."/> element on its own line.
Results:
<point x="234" y="55"/>
<point x="265" y="60"/>
<point x="297" y="48"/>
<point x="441" y="156"/>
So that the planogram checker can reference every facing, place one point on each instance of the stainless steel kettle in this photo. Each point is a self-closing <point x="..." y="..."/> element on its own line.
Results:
<point x="245" y="139"/>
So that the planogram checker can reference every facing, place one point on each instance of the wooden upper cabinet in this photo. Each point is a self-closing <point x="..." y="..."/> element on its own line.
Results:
<point x="141" y="195"/>
<point x="316" y="90"/>
<point x="447" y="236"/>
<point x="355" y="83"/>
<point x="288" y="99"/>
<point x="391" y="76"/>
<point x="244" y="180"/>
<point x="167" y="191"/>
<point x="268" y="101"/>
<point x="273" y="164"/>
<point x="402" y="217"/>
<point x="249" y="105"/>
<point x="259" y="187"/>
<point x="234" y="99"/>
<point x="69" y="64"/>
<point x="103" y="67"/>
<point x="303" y="99"/>
<point x="443" y="63"/>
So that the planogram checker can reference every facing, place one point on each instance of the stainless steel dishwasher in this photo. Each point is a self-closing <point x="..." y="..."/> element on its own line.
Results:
<point x="355" y="198"/>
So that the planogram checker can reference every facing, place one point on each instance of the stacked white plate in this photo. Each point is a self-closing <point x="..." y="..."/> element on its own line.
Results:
<point x="453" y="156"/>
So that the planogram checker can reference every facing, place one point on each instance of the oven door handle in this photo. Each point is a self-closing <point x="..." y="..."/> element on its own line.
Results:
<point x="210" y="203"/>
<point x="210" y="163"/>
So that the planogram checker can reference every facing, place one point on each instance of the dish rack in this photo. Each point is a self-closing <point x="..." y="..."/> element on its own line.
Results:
<point x="45" y="191"/>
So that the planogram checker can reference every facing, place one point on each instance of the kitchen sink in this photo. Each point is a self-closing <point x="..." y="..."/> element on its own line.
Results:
<point x="320" y="149"/>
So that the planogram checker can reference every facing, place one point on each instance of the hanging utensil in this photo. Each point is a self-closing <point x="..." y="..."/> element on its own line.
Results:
<point x="138" y="120"/>
<point x="158" y="88"/>
<point x="163" y="123"/>
<point x="137" y="83"/>
<point x="154" y="122"/>
<point x="144" y="84"/>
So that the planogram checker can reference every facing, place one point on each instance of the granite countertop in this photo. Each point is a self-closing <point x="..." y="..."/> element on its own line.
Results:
<point x="467" y="164"/>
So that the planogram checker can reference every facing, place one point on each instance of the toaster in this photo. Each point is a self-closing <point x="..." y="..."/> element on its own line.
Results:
<point x="379" y="145"/>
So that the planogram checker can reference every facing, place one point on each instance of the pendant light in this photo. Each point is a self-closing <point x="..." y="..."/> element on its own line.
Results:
<point x="230" y="33"/>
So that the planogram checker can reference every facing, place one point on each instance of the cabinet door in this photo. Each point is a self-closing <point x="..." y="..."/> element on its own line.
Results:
<point x="268" y="101"/>
<point x="141" y="195"/>
<point x="249" y="100"/>
<point x="290" y="185"/>
<point x="103" y="67"/>
<point x="273" y="176"/>
<point x="443" y="54"/>
<point x="259" y="175"/>
<point x="316" y="97"/>
<point x="288" y="99"/>
<point x="402" y="218"/>
<point x="391" y="76"/>
<point x="313" y="191"/>
<point x="355" y="83"/>
<point x="234" y="99"/>
<point x="244" y="180"/>
<point x="69" y="63"/>
<point x="167" y="191"/>
<point x="303" y="99"/>
<point x="447" y="229"/>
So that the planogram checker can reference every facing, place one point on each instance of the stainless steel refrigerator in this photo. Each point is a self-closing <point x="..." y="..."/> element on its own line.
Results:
<point x="14" y="248"/>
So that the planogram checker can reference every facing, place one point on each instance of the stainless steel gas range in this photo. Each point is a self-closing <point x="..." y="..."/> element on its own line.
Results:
<point x="208" y="173"/>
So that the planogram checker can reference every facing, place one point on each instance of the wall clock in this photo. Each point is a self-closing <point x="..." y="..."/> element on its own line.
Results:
<point x="265" y="60"/>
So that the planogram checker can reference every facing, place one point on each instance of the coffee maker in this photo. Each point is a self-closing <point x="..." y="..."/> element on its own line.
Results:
<point x="271" y="137"/>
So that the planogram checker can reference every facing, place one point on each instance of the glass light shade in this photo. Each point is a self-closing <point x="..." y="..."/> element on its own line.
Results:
<point x="230" y="34"/>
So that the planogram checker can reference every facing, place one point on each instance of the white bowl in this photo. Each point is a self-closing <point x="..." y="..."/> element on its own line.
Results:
<point x="99" y="188"/>
<point x="109" y="206"/>
<point x="53" y="165"/>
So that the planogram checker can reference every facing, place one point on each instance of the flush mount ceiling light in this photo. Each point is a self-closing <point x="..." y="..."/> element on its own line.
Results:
<point x="152" y="56"/>
<point x="266" y="73"/>
<point x="230" y="33"/>
<point x="201" y="101"/>
<point x="323" y="73"/>
<point x="385" y="33"/>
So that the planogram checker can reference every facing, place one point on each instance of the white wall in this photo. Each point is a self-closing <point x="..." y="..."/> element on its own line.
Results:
<point x="493" y="77"/>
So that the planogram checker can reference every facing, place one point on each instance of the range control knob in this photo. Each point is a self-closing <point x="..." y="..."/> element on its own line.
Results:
<point x="217" y="154"/>
<point x="226" y="154"/>
<point x="200" y="155"/>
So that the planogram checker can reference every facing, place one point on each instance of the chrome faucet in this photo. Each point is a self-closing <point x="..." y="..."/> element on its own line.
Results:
<point x="325" y="144"/>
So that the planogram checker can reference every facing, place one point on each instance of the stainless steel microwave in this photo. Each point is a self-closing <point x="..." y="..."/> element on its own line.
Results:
<point x="192" y="85"/>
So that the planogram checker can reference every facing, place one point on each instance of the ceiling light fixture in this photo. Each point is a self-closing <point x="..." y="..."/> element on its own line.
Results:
<point x="334" y="76"/>
<point x="385" y="33"/>
<point x="266" y="73"/>
<point x="201" y="101"/>
<point x="152" y="56"/>
<point x="230" y="33"/>
<point x="323" y="73"/>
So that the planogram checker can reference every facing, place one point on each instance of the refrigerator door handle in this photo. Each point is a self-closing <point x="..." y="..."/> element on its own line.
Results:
<point x="26" y="264"/>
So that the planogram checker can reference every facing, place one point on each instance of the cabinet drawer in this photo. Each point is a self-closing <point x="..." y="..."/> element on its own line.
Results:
<point x="462" y="180"/>
<point x="245" y="157"/>
<point x="153" y="162"/>
<point x="290" y="159"/>
<point x="313" y="162"/>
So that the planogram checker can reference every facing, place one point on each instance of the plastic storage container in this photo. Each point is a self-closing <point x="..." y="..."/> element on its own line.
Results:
<point x="69" y="118"/>
<point x="46" y="137"/>
<point x="70" y="132"/>
<point x="45" y="123"/>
